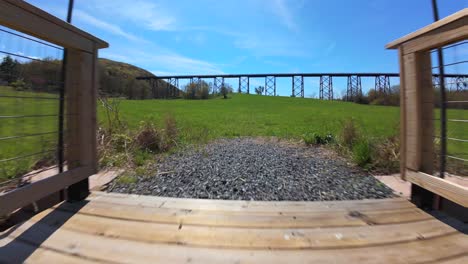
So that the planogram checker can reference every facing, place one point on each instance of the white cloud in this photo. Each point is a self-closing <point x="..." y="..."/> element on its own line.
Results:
<point x="268" y="46"/>
<point x="282" y="9"/>
<point x="112" y="28"/>
<point x="149" y="14"/>
<point x="165" y="73"/>
<point x="160" y="60"/>
<point x="178" y="63"/>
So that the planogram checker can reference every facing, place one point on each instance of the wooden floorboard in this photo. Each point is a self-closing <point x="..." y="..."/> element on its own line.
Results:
<point x="304" y="218"/>
<point x="116" y="228"/>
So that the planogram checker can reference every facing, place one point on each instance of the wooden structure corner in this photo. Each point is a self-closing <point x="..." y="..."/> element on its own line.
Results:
<point x="417" y="104"/>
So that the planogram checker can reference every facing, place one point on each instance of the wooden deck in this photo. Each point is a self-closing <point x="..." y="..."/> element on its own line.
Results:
<point x="119" y="228"/>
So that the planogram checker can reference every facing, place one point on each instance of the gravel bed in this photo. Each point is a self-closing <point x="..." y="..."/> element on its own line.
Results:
<point x="256" y="169"/>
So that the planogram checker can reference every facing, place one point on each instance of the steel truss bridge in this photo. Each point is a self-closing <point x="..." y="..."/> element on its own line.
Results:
<point x="455" y="82"/>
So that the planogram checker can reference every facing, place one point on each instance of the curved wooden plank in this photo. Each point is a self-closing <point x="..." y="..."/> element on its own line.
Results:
<point x="303" y="219"/>
<point x="249" y="238"/>
<point x="249" y="206"/>
<point x="126" y="251"/>
<point x="15" y="251"/>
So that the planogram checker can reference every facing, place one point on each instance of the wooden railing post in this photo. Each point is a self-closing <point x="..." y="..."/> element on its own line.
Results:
<point x="81" y="92"/>
<point x="417" y="113"/>
<point x="417" y="119"/>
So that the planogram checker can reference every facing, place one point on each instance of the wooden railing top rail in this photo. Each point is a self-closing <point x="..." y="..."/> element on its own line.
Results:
<point x="26" y="18"/>
<point x="456" y="24"/>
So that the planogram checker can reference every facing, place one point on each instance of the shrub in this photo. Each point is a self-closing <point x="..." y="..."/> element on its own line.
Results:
<point x="171" y="131"/>
<point x="120" y="142"/>
<point x="199" y="90"/>
<point x="362" y="153"/>
<point x="317" y="139"/>
<point x="140" y="157"/>
<point x="349" y="133"/>
<point x="386" y="155"/>
<point x="149" y="138"/>
<point x="259" y="90"/>
<point x="309" y="138"/>
<point x="225" y="90"/>
<point x="203" y="92"/>
<point x="19" y="85"/>
<point x="126" y="179"/>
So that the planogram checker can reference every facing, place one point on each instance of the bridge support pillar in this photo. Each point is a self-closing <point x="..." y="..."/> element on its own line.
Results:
<point x="326" y="87"/>
<point x="460" y="83"/>
<point x="244" y="85"/>
<point x="297" y="86"/>
<point x="152" y="83"/>
<point x="382" y="84"/>
<point x="270" y="85"/>
<point x="218" y="83"/>
<point x="173" y="87"/>
<point x="354" y="88"/>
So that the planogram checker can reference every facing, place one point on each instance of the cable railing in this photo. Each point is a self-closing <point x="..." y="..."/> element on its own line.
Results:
<point x="452" y="99"/>
<point x="30" y="84"/>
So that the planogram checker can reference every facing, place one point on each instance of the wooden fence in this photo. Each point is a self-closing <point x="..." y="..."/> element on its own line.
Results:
<point x="80" y="100"/>
<point x="417" y="107"/>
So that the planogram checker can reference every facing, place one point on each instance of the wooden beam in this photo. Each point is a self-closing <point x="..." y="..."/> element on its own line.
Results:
<point x="460" y="15"/>
<point x="402" y="116"/>
<point x="451" y="191"/>
<point x="412" y="123"/>
<point x="24" y="17"/>
<point x="455" y="32"/>
<point x="25" y="195"/>
<point x="81" y="90"/>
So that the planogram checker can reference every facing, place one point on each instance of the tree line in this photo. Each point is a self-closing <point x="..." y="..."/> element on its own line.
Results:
<point x="116" y="79"/>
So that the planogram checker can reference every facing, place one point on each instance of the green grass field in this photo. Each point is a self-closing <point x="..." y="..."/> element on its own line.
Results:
<point x="253" y="115"/>
<point x="13" y="131"/>
<point x="284" y="117"/>
<point x="202" y="120"/>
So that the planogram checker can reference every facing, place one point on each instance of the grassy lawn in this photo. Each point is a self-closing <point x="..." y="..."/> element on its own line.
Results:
<point x="284" y="117"/>
<point x="253" y="115"/>
<point x="202" y="120"/>
<point x="11" y="127"/>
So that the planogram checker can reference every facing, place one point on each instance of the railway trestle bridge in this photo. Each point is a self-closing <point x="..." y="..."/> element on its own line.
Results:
<point x="455" y="82"/>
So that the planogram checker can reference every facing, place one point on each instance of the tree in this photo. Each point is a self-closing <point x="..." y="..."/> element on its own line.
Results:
<point x="197" y="90"/>
<point x="259" y="90"/>
<point x="225" y="90"/>
<point x="9" y="69"/>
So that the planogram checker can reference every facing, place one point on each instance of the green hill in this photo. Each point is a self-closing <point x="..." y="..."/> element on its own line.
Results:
<point x="125" y="70"/>
<point x="118" y="79"/>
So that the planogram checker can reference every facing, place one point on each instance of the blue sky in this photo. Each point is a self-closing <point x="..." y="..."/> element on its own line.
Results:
<point x="252" y="36"/>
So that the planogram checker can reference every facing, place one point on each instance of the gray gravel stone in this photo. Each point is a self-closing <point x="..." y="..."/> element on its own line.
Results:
<point x="256" y="169"/>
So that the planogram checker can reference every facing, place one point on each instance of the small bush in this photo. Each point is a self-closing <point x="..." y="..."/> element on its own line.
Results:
<point x="112" y="159"/>
<point x="19" y="85"/>
<point x="225" y="90"/>
<point x="140" y="157"/>
<point x="387" y="155"/>
<point x="197" y="90"/>
<point x="317" y="139"/>
<point x="349" y="133"/>
<point x="203" y="92"/>
<point x="126" y="179"/>
<point x="362" y="153"/>
<point x="171" y="132"/>
<point x="121" y="142"/>
<point x="149" y="138"/>
<point x="309" y="138"/>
